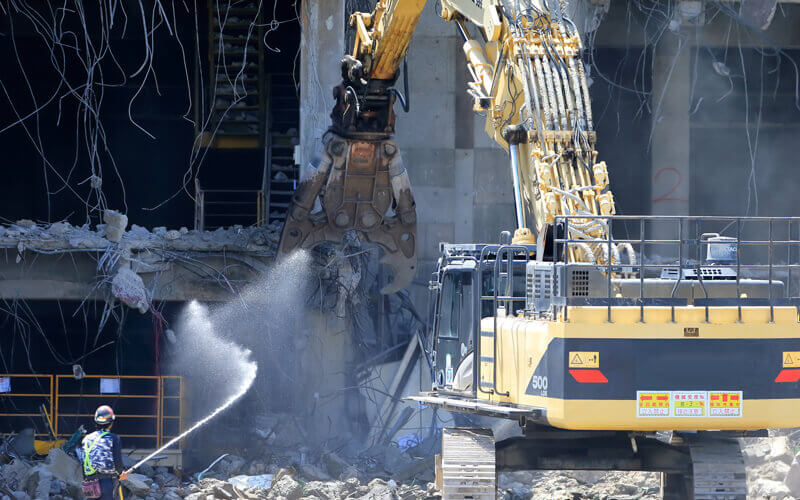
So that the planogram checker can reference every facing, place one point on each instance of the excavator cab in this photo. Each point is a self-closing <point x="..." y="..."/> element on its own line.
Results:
<point x="462" y="293"/>
<point x="455" y="326"/>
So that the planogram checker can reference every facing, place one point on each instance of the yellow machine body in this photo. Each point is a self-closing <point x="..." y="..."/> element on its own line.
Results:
<point x="587" y="373"/>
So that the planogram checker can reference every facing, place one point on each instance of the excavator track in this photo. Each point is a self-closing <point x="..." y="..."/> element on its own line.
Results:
<point x="468" y="464"/>
<point x="718" y="469"/>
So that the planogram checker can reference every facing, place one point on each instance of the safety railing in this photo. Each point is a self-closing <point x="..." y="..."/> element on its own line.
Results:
<point x="149" y="409"/>
<point x="698" y="252"/>
<point x="21" y="397"/>
<point x="215" y="208"/>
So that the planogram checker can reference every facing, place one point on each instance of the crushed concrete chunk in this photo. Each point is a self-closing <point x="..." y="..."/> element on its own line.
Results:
<point x="129" y="288"/>
<point x="286" y="487"/>
<point x="138" y="484"/>
<point x="116" y="223"/>
<point x="63" y="466"/>
<point x="38" y="482"/>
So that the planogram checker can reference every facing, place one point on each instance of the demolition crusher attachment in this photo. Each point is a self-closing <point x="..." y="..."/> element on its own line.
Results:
<point x="360" y="181"/>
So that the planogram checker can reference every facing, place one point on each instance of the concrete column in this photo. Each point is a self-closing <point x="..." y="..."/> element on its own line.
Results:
<point x="321" y="49"/>
<point x="670" y="139"/>
<point x="324" y="357"/>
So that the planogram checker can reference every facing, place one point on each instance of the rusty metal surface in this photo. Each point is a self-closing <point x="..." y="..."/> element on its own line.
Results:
<point x="356" y="192"/>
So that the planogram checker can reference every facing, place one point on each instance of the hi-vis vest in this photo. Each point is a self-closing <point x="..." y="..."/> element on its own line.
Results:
<point x="97" y="453"/>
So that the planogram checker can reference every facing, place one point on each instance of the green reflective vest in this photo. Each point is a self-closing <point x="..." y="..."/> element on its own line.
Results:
<point x="88" y="446"/>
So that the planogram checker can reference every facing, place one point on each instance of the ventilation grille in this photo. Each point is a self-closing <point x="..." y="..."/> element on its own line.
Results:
<point x="541" y="286"/>
<point x="580" y="283"/>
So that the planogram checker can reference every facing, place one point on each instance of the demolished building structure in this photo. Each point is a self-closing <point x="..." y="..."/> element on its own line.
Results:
<point x="91" y="290"/>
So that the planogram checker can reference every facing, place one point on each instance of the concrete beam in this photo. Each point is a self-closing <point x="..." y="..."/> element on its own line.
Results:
<point x="171" y="277"/>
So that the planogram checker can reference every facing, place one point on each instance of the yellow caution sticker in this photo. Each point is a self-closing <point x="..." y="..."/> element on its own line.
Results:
<point x="791" y="359"/>
<point x="725" y="404"/>
<point x="652" y="404"/>
<point x="584" y="359"/>
<point x="689" y="403"/>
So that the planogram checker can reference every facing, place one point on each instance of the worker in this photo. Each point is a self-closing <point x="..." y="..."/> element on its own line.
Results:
<point x="101" y="455"/>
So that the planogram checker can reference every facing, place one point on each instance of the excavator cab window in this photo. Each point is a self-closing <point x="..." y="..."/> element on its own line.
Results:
<point x="455" y="325"/>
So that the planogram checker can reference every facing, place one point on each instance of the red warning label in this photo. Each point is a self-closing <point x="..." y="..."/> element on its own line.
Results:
<point x="725" y="404"/>
<point x="652" y="404"/>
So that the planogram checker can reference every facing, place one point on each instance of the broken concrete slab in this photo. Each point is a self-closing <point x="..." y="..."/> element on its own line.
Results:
<point x="63" y="466"/>
<point x="38" y="482"/>
<point x="285" y="487"/>
<point x="138" y="484"/>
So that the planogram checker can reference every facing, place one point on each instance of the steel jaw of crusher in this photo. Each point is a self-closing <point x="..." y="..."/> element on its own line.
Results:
<point x="357" y="182"/>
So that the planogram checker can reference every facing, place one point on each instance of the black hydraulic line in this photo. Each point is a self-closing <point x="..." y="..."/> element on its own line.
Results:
<point x="405" y="97"/>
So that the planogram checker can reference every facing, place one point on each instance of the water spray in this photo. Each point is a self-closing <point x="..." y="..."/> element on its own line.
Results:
<point x="247" y="382"/>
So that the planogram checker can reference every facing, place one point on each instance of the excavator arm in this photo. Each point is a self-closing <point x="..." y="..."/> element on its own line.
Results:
<point x="529" y="81"/>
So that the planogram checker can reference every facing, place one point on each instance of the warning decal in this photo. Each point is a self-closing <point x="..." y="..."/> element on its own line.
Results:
<point x="725" y="404"/>
<point x="652" y="404"/>
<point x="689" y="404"/>
<point x="584" y="359"/>
<point x="791" y="359"/>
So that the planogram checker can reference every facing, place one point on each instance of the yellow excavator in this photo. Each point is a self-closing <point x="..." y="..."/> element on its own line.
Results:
<point x="617" y="342"/>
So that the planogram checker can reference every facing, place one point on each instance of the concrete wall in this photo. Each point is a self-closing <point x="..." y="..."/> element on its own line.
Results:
<point x="461" y="179"/>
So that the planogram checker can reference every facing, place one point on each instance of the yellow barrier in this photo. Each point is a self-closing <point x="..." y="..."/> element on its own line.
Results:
<point x="149" y="409"/>
<point x="24" y="404"/>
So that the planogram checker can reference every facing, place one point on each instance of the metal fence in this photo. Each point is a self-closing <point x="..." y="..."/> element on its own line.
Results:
<point x="215" y="208"/>
<point x="21" y="400"/>
<point x="149" y="409"/>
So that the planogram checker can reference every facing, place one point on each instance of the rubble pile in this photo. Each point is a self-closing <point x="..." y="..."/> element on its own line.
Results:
<point x="62" y="236"/>
<point x="773" y="473"/>
<point x="569" y="485"/>
<point x="773" y="465"/>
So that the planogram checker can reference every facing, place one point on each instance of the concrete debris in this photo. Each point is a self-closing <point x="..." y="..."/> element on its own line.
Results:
<point x="335" y="465"/>
<point x="313" y="473"/>
<point x="115" y="225"/>
<point x="38" y="482"/>
<point x="769" y="476"/>
<point x="63" y="466"/>
<point x="77" y="372"/>
<point x="286" y="487"/>
<point x="12" y="475"/>
<point x="129" y="288"/>
<point x="62" y="236"/>
<point x="138" y="484"/>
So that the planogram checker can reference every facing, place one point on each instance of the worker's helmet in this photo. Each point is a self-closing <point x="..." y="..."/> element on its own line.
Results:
<point x="104" y="415"/>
